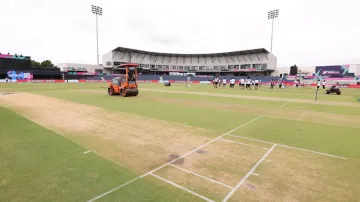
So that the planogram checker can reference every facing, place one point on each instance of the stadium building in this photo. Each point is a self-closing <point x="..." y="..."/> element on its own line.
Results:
<point x="256" y="62"/>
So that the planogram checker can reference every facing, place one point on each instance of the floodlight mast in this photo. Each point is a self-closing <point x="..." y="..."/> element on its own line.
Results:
<point x="97" y="11"/>
<point x="272" y="15"/>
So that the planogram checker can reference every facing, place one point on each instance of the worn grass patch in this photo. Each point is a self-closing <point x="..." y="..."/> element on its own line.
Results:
<point x="211" y="119"/>
<point x="197" y="184"/>
<point x="223" y="161"/>
<point x="136" y="142"/>
<point x="248" y="142"/>
<point x="293" y="175"/>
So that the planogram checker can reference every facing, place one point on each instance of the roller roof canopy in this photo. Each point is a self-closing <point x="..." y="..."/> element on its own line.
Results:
<point x="243" y="52"/>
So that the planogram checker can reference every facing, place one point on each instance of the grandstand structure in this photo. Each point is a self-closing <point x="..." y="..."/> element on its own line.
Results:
<point x="256" y="62"/>
<point x="18" y="67"/>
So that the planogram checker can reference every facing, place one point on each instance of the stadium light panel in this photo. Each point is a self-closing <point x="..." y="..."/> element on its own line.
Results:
<point x="96" y="10"/>
<point x="273" y="14"/>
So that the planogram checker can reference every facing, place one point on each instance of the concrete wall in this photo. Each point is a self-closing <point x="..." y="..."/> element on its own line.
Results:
<point x="90" y="68"/>
<point x="107" y="59"/>
<point x="355" y="68"/>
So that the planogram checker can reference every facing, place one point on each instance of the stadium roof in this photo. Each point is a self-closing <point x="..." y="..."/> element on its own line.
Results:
<point x="243" y="52"/>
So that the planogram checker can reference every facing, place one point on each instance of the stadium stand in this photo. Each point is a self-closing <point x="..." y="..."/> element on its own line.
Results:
<point x="256" y="62"/>
<point x="19" y="67"/>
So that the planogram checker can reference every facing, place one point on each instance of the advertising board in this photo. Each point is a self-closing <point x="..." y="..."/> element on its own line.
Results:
<point x="333" y="71"/>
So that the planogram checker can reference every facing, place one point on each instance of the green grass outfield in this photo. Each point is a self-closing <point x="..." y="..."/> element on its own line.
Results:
<point x="44" y="164"/>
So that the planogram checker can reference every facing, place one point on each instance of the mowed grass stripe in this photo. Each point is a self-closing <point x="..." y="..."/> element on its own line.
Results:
<point x="186" y="97"/>
<point x="307" y="93"/>
<point x="336" y="140"/>
<point x="244" y="106"/>
<point x="348" y="95"/>
<point x="265" y="91"/>
<point x="347" y="110"/>
<point x="39" y="165"/>
<point x="252" y="104"/>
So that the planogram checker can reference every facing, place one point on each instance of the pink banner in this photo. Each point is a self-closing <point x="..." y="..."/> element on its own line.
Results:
<point x="340" y="79"/>
<point x="5" y="56"/>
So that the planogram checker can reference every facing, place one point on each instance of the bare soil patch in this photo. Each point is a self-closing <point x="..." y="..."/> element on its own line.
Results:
<point x="223" y="161"/>
<point x="197" y="184"/>
<point x="137" y="142"/>
<point x="249" y="142"/>
<point x="293" y="175"/>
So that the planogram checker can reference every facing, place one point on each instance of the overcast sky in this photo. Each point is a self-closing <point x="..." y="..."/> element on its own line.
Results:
<point x="307" y="32"/>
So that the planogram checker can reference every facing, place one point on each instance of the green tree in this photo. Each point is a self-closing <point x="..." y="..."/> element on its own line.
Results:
<point x="35" y="64"/>
<point x="46" y="63"/>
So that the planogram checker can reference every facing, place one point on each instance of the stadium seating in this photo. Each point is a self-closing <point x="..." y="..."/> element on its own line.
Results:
<point x="208" y="60"/>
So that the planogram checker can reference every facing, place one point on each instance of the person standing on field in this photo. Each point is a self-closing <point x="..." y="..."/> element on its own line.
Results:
<point x="272" y="84"/>
<point x="256" y="84"/>
<point x="215" y="81"/>
<point x="242" y="83"/>
<point x="232" y="83"/>
<point x="248" y="84"/>
<point x="224" y="82"/>
<point x="324" y="84"/>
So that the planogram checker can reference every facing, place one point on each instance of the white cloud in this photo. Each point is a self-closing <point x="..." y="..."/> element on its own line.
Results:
<point x="306" y="32"/>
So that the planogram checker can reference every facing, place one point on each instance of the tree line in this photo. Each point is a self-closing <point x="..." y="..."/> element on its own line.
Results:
<point x="43" y="64"/>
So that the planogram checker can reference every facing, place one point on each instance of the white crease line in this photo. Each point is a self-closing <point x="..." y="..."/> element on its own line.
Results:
<point x="183" y="188"/>
<point x="247" y="175"/>
<point x="330" y="124"/>
<point x="302" y="115"/>
<point x="325" y="154"/>
<point x="116" y="188"/>
<point x="87" y="152"/>
<point x="168" y="163"/>
<point x="250" y="139"/>
<point x="217" y="182"/>
<point x="244" y="144"/>
<point x="190" y="152"/>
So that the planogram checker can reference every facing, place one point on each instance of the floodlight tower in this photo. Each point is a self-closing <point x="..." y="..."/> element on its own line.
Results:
<point x="97" y="11"/>
<point x="272" y="15"/>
